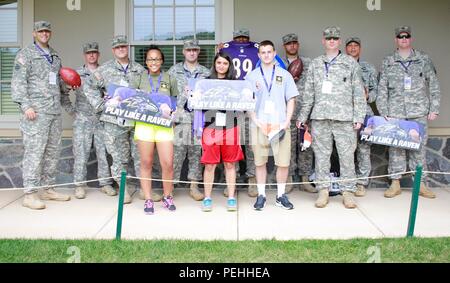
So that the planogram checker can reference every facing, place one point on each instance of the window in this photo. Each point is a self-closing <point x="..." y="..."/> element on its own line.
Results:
<point x="8" y="48"/>
<point x="167" y="23"/>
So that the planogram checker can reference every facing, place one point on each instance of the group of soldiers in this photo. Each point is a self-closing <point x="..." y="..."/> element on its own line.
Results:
<point x="335" y="92"/>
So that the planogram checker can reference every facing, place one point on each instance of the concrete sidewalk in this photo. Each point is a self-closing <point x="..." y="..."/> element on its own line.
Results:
<point x="95" y="218"/>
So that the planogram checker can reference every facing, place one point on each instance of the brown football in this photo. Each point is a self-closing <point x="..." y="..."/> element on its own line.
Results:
<point x="296" y="69"/>
<point x="70" y="77"/>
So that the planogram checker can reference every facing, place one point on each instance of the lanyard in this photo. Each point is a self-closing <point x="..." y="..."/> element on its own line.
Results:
<point x="125" y="70"/>
<point x="269" y="88"/>
<point x="406" y="67"/>
<point x="328" y="65"/>
<point x="48" y="57"/>
<point x="155" y="90"/>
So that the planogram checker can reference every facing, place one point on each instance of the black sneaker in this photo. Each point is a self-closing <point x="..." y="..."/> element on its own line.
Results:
<point x="260" y="202"/>
<point x="284" y="202"/>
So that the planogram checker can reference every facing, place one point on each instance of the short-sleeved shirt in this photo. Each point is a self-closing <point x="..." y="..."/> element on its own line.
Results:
<point x="283" y="89"/>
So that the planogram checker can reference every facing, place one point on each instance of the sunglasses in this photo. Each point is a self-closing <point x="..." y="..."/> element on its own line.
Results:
<point x="332" y="38"/>
<point x="407" y="36"/>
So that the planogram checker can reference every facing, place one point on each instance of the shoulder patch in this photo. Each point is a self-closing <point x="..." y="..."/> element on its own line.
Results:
<point x="21" y="60"/>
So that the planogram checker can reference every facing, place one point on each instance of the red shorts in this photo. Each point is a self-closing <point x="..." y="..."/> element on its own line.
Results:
<point x="221" y="146"/>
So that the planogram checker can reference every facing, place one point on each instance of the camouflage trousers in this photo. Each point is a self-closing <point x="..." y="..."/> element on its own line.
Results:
<point x="300" y="160"/>
<point x="398" y="157"/>
<point x="363" y="163"/>
<point x="87" y="129"/>
<point x="119" y="142"/>
<point x="323" y="134"/>
<point x="187" y="146"/>
<point x="42" y="145"/>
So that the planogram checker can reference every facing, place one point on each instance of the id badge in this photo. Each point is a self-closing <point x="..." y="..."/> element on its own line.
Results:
<point x="221" y="119"/>
<point x="408" y="83"/>
<point x="327" y="87"/>
<point x="52" y="78"/>
<point x="269" y="107"/>
<point x="123" y="83"/>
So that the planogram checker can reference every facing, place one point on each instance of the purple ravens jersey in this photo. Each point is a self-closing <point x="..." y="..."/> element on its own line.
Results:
<point x="244" y="56"/>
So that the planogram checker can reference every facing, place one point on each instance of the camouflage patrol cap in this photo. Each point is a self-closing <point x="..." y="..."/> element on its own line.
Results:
<point x="332" y="31"/>
<point x="42" y="25"/>
<point x="90" y="47"/>
<point x="353" y="39"/>
<point x="402" y="29"/>
<point x="291" y="37"/>
<point x="119" y="40"/>
<point x="191" y="44"/>
<point x="241" y="32"/>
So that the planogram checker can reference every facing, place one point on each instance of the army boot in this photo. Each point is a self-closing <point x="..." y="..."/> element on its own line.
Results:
<point x="289" y="185"/>
<point x="252" y="189"/>
<point x="51" y="194"/>
<point x="155" y="196"/>
<point x="80" y="192"/>
<point x="393" y="190"/>
<point x="109" y="190"/>
<point x="360" y="190"/>
<point x="425" y="192"/>
<point x="307" y="187"/>
<point x="32" y="201"/>
<point x="322" y="200"/>
<point x="348" y="200"/>
<point x="195" y="193"/>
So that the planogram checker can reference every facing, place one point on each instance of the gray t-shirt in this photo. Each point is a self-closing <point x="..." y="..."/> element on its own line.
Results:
<point x="271" y="106"/>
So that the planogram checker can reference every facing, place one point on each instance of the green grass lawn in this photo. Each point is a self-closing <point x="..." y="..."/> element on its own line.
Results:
<point x="270" y="251"/>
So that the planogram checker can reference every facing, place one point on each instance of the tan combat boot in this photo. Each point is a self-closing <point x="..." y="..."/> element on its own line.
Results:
<point x="322" y="200"/>
<point x="109" y="190"/>
<point x="225" y="192"/>
<point x="195" y="193"/>
<point x="360" y="190"/>
<point x="425" y="192"/>
<point x="80" y="192"/>
<point x="32" y="201"/>
<point x="289" y="186"/>
<point x="393" y="190"/>
<point x="252" y="189"/>
<point x="155" y="196"/>
<point x="307" y="187"/>
<point x="348" y="200"/>
<point x="51" y="194"/>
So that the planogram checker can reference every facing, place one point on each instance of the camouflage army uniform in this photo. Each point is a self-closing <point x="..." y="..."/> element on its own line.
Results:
<point x="87" y="127"/>
<point x="118" y="138"/>
<point x="303" y="161"/>
<point x="370" y="81"/>
<point x="185" y="144"/>
<point x="413" y="105"/>
<point x="333" y="115"/>
<point x="31" y="88"/>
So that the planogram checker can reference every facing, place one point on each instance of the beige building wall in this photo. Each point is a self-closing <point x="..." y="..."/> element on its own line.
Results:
<point x="430" y="21"/>
<point x="71" y="28"/>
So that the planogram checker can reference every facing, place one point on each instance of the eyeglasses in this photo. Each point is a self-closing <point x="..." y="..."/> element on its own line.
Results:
<point x="154" y="60"/>
<point x="332" y="38"/>
<point x="407" y="36"/>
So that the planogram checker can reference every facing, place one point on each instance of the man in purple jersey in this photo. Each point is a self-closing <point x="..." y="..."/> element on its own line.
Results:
<point x="244" y="54"/>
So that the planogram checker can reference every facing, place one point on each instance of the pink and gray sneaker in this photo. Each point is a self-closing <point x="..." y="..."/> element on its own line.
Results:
<point x="167" y="202"/>
<point x="149" y="207"/>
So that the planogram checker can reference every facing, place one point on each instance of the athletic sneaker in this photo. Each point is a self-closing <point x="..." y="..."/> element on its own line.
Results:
<point x="149" y="207"/>
<point x="231" y="204"/>
<point x="207" y="205"/>
<point x="167" y="202"/>
<point x="284" y="202"/>
<point x="260" y="202"/>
